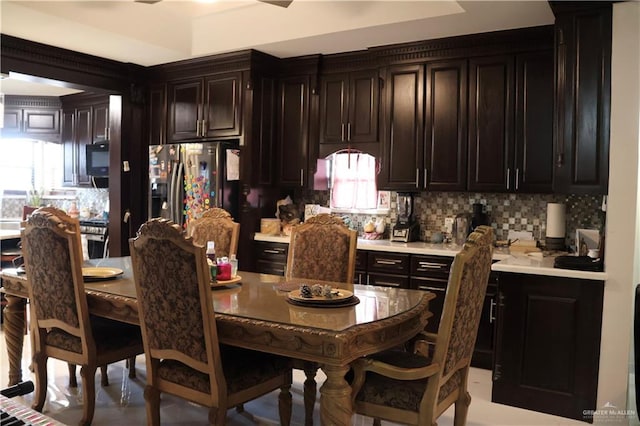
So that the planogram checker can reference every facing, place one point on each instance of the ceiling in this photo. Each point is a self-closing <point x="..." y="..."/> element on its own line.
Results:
<point x="172" y="30"/>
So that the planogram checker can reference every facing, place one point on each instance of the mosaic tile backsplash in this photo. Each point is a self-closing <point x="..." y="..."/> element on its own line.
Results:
<point x="94" y="199"/>
<point x="517" y="212"/>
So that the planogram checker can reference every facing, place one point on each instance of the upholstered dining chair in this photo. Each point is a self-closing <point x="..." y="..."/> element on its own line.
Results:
<point x="60" y="322"/>
<point x="217" y="225"/>
<point x="417" y="387"/>
<point x="184" y="357"/>
<point x="322" y="248"/>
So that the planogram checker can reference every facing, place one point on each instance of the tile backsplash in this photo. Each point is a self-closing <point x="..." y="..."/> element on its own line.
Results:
<point x="517" y="212"/>
<point x="95" y="199"/>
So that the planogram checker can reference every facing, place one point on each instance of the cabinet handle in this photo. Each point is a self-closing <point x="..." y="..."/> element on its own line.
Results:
<point x="342" y="132"/>
<point x="508" y="176"/>
<point x="271" y="251"/>
<point x="431" y="265"/>
<point x="417" y="177"/>
<point x="203" y="128"/>
<point x="440" y="290"/>
<point x="517" y="177"/>
<point x="106" y="133"/>
<point x="492" y="316"/>
<point x="389" y="284"/>
<point x="388" y="261"/>
<point x="425" y="177"/>
<point x="367" y="279"/>
<point x="197" y="127"/>
<point x="349" y="131"/>
<point x="301" y="177"/>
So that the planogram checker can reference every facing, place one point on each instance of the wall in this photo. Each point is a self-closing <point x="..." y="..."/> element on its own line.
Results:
<point x="622" y="258"/>
<point x="518" y="212"/>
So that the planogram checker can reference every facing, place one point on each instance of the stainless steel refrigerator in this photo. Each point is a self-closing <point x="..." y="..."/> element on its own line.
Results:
<point x="188" y="178"/>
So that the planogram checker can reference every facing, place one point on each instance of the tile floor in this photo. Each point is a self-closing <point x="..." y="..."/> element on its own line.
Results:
<point x="122" y="402"/>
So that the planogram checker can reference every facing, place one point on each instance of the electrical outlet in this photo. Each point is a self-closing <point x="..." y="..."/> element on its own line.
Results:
<point x="448" y="224"/>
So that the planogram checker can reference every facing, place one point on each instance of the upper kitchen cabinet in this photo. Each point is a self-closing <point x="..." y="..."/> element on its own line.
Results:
<point x="445" y="149"/>
<point x="583" y="90"/>
<point x="402" y="140"/>
<point x="100" y="125"/>
<point x="156" y="114"/>
<point x="208" y="107"/>
<point x="293" y="130"/>
<point x="32" y="117"/>
<point x="349" y="108"/>
<point x="511" y="123"/>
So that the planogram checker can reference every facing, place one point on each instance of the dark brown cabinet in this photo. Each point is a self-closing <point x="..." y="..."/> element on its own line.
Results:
<point x="445" y="151"/>
<point x="402" y="142"/>
<point x="208" y="107"/>
<point x="431" y="273"/>
<point x="100" y="125"/>
<point x="293" y="130"/>
<point x="583" y="91"/>
<point x="548" y="343"/>
<point x="271" y="258"/>
<point x="156" y="115"/>
<point x="511" y="123"/>
<point x="76" y="135"/>
<point x="32" y="117"/>
<point x="349" y="108"/>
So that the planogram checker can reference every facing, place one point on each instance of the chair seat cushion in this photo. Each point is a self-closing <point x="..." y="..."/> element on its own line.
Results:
<point x="401" y="394"/>
<point x="242" y="369"/>
<point x="108" y="335"/>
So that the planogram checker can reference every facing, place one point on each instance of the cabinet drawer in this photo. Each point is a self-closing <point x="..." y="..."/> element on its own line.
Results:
<point x="392" y="263"/>
<point x="431" y="266"/>
<point x="361" y="260"/>
<point x="270" y="267"/>
<point x="438" y="286"/>
<point x="388" y="280"/>
<point x="271" y="251"/>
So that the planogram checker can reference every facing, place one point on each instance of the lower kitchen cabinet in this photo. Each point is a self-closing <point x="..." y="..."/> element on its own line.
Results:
<point x="548" y="343"/>
<point x="271" y="258"/>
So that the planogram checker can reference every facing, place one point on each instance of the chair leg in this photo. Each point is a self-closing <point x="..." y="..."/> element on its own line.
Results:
<point x="376" y="422"/>
<point x="461" y="410"/>
<point x="131" y="363"/>
<point x="73" y="380"/>
<point x="88" y="374"/>
<point x="40" y="365"/>
<point x="152" y="396"/>
<point x="104" y="378"/>
<point x="284" y="405"/>
<point x="310" y="389"/>
<point x="217" y="416"/>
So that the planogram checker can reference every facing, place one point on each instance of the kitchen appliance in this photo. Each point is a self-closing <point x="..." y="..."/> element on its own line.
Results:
<point x="461" y="228"/>
<point x="406" y="228"/>
<point x="96" y="231"/>
<point x="97" y="157"/>
<point x="188" y="178"/>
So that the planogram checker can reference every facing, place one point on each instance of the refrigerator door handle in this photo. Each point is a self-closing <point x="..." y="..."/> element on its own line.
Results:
<point x="177" y="202"/>
<point x="171" y="184"/>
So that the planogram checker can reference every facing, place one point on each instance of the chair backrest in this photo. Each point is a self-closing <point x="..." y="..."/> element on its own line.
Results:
<point x="322" y="248"/>
<point x="174" y="301"/>
<point x="461" y="312"/>
<point x="53" y="262"/>
<point x="217" y="225"/>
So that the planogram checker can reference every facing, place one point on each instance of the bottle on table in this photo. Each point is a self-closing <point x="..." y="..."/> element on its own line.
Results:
<point x="234" y="265"/>
<point x="211" y="260"/>
<point x="224" y="269"/>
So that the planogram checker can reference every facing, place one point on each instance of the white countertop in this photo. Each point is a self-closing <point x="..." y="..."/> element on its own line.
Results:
<point x="518" y="263"/>
<point x="7" y="234"/>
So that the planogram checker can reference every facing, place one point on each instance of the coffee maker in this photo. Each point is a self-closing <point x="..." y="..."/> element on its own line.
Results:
<point x="406" y="228"/>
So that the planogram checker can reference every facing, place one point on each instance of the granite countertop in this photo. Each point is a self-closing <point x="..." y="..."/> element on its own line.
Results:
<point x="506" y="262"/>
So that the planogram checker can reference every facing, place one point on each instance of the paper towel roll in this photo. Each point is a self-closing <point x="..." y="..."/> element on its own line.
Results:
<point x="555" y="220"/>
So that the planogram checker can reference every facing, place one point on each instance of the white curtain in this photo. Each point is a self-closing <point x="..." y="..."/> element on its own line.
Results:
<point x="354" y="181"/>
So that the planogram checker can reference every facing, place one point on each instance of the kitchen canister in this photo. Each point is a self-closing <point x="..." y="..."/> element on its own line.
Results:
<point x="270" y="226"/>
<point x="556" y="223"/>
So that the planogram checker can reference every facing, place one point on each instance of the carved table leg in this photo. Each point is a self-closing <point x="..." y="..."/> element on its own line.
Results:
<point x="335" y="397"/>
<point x="14" y="334"/>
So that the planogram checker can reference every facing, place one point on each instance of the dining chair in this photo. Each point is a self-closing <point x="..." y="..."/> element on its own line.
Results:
<point x="216" y="225"/>
<point x="416" y="387"/>
<point x="321" y="248"/>
<point x="183" y="354"/>
<point x="60" y="322"/>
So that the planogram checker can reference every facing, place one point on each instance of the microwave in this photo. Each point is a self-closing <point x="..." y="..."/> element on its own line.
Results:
<point x="98" y="159"/>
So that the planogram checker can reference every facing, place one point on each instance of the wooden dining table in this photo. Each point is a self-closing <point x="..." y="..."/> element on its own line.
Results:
<point x="255" y="313"/>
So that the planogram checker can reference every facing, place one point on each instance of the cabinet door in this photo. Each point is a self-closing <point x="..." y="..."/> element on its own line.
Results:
<point x="41" y="122"/>
<point x="100" y="122"/>
<point x="534" y="123"/>
<point x="222" y="108"/>
<point x="583" y="104"/>
<point x="12" y="121"/>
<point x="334" y="114"/>
<point x="69" y="147"/>
<point x="157" y="115"/>
<point x="403" y="122"/>
<point x="437" y="286"/>
<point x="293" y="130"/>
<point x="83" y="137"/>
<point x="484" y="348"/>
<point x="362" y="125"/>
<point x="491" y="104"/>
<point x="445" y="151"/>
<point x="548" y="343"/>
<point x="185" y="100"/>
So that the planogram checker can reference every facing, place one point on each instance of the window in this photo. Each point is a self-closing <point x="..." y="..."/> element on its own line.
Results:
<point x="27" y="164"/>
<point x="353" y="181"/>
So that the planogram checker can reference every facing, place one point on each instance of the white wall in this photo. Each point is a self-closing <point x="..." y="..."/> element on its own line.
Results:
<point x="622" y="256"/>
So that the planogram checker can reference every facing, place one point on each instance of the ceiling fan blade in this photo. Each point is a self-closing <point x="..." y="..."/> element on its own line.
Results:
<point x="281" y="3"/>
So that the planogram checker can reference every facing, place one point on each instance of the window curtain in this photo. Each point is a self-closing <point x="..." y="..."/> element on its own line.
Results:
<point x="354" y="181"/>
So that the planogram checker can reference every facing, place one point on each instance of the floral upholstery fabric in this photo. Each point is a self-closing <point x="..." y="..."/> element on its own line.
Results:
<point x="242" y="369"/>
<point x="108" y="335"/>
<point x="320" y="253"/>
<point x="168" y="283"/>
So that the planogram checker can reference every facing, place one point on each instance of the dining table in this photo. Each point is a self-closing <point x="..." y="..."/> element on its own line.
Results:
<point x="257" y="312"/>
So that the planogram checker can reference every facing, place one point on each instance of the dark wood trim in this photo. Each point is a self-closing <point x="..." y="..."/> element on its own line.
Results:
<point x="32" y="101"/>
